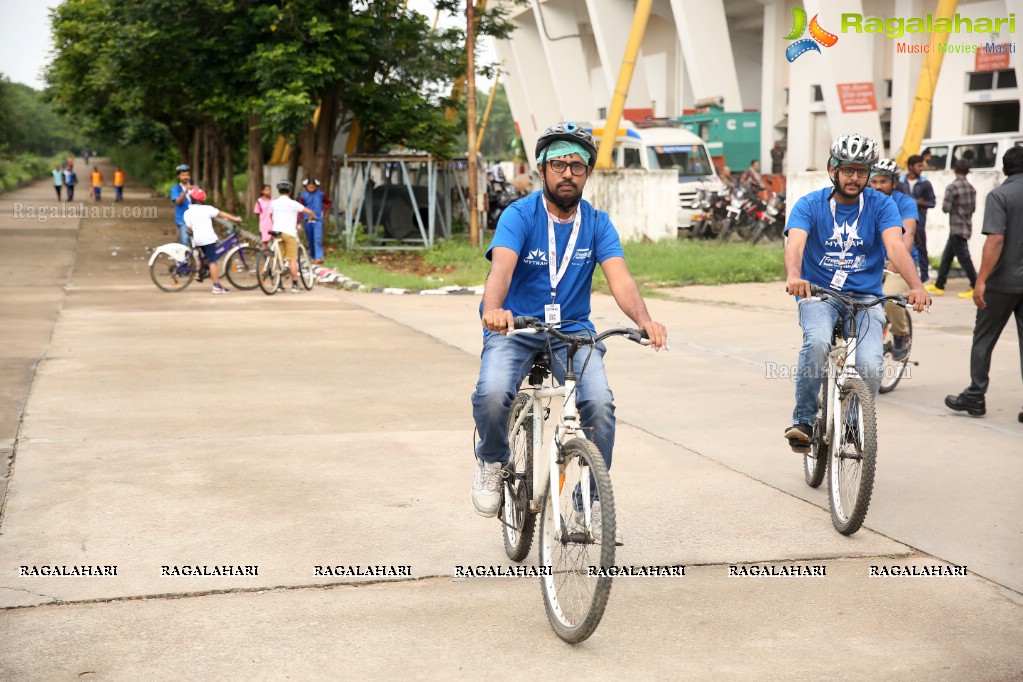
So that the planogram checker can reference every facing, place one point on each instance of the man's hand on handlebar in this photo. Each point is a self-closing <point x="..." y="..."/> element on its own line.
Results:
<point x="797" y="287"/>
<point x="919" y="299"/>
<point x="498" y="320"/>
<point x="657" y="333"/>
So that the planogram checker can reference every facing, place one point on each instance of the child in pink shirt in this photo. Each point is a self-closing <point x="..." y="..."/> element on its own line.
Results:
<point x="262" y="209"/>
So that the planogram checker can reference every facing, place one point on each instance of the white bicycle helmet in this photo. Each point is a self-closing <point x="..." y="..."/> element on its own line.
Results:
<point x="571" y="132"/>
<point x="854" y="148"/>
<point x="886" y="167"/>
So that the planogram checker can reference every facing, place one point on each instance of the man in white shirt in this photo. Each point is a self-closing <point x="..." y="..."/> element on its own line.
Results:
<point x="199" y="221"/>
<point x="285" y="212"/>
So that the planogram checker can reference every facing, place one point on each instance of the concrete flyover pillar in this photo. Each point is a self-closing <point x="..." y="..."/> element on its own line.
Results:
<point x="845" y="65"/>
<point x="703" y="32"/>
<point x="561" y="40"/>
<point x="610" y="20"/>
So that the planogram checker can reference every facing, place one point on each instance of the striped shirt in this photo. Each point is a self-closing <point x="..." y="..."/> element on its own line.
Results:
<point x="960" y="204"/>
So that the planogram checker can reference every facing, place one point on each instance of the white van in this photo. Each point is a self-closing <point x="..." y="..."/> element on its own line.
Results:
<point x="665" y="147"/>
<point x="984" y="152"/>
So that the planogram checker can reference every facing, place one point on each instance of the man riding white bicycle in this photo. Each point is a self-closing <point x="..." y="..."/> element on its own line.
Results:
<point x="837" y="239"/>
<point x="543" y="255"/>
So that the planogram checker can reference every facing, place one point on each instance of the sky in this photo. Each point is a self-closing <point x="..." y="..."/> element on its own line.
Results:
<point x="25" y="43"/>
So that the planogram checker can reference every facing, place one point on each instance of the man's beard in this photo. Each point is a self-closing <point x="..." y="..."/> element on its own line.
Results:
<point x="564" y="204"/>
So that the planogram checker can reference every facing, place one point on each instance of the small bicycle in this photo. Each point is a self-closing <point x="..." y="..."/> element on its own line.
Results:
<point x="577" y="516"/>
<point x="844" y="439"/>
<point x="271" y="266"/>
<point x="174" y="266"/>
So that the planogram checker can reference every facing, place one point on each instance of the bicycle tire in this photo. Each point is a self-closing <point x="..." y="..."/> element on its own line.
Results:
<point x="305" y="268"/>
<point x="170" y="274"/>
<point x="268" y="271"/>
<point x="573" y="597"/>
<point x="853" y="457"/>
<point x="892" y="369"/>
<point x="241" y="267"/>
<point x="815" y="462"/>
<point x="517" y="520"/>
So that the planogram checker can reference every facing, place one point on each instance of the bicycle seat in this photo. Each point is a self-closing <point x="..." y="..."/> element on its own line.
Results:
<point x="275" y="234"/>
<point x="541" y="368"/>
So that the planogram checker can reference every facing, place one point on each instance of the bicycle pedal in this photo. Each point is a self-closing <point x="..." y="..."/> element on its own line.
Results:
<point x="800" y="447"/>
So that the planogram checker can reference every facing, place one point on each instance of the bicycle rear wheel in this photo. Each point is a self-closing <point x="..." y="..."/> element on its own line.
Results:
<point x="892" y="369"/>
<point x="305" y="268"/>
<point x="268" y="271"/>
<point x="517" y="522"/>
<point x="170" y="274"/>
<point x="241" y="269"/>
<point x="815" y="462"/>
<point x="853" y="457"/>
<point x="576" y="591"/>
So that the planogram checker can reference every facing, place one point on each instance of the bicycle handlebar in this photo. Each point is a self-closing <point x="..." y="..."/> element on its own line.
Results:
<point x="849" y="302"/>
<point x="532" y="325"/>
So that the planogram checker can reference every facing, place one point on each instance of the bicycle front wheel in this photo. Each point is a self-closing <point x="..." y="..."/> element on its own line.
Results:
<point x="241" y="269"/>
<point x="892" y="369"/>
<point x="853" y="457"/>
<point x="305" y="268"/>
<point x="815" y="462"/>
<point x="268" y="271"/>
<point x="517" y="522"/>
<point x="579" y="557"/>
<point x="170" y="274"/>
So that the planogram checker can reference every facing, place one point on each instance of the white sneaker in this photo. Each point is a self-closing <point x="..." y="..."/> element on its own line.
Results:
<point x="597" y="525"/>
<point x="217" y="289"/>
<point x="486" y="488"/>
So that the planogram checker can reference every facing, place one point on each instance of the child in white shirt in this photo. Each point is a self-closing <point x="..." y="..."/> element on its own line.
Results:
<point x="199" y="220"/>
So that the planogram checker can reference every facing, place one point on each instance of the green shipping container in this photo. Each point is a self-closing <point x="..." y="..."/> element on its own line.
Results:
<point x="733" y="138"/>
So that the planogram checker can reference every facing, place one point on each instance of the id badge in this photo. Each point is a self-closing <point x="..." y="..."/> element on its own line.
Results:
<point x="838" y="281"/>
<point x="552" y="313"/>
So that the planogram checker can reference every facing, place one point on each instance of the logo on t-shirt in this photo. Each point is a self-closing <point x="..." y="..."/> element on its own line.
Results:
<point x="536" y="257"/>
<point x="844" y="239"/>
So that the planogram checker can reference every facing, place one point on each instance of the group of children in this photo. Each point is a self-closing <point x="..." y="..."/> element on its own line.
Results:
<point x="280" y="215"/>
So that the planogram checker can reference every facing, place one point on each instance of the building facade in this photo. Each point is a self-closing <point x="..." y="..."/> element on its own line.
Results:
<point x="813" y="69"/>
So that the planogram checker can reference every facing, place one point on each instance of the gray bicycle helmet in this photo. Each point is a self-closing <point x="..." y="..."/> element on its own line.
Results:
<point x="886" y="167"/>
<point x="854" y="148"/>
<point x="571" y="132"/>
<point x="284" y="185"/>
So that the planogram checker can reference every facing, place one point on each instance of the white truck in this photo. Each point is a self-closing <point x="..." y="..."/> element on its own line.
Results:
<point x="665" y="147"/>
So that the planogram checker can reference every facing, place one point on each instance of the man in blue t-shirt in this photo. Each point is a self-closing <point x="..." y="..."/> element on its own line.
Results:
<point x="837" y="239"/>
<point x="543" y="254"/>
<point x="180" y="196"/>
<point x="884" y="177"/>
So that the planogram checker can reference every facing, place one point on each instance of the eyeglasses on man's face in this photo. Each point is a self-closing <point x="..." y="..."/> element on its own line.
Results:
<point x="559" y="166"/>
<point x="848" y="172"/>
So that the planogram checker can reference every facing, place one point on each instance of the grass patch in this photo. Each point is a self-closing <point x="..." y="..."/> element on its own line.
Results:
<point x="653" y="264"/>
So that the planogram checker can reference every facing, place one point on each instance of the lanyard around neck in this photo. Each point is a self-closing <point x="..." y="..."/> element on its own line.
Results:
<point x="557" y="272"/>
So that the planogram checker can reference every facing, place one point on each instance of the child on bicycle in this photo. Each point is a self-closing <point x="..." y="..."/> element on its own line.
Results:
<point x="199" y="221"/>
<point x="285" y="212"/>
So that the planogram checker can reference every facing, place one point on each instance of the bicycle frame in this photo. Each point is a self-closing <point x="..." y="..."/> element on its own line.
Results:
<point x="568" y="426"/>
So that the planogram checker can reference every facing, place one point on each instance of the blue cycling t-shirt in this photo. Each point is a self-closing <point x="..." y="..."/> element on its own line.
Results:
<point x="834" y="244"/>
<point x="907" y="209"/>
<point x="179" y="209"/>
<point x="523" y="229"/>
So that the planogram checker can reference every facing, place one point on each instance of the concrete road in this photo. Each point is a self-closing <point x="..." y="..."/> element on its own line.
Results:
<point x="149" y="433"/>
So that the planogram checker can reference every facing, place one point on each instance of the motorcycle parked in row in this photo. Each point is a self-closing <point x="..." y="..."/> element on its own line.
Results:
<point x="743" y="212"/>
<point x="712" y="202"/>
<point x="771" y="223"/>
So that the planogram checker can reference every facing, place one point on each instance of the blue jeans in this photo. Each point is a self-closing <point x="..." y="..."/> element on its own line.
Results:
<point x="505" y="363"/>
<point x="818" y="318"/>
<point x="314" y="236"/>
<point x="183" y="233"/>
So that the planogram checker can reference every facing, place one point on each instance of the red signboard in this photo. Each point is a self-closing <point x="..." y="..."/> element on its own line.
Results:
<point x="856" y="97"/>
<point x="994" y="60"/>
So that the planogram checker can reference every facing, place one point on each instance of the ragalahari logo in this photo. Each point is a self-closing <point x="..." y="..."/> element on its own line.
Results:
<point x="819" y="35"/>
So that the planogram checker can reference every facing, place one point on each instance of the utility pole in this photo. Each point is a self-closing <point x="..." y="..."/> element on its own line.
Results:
<point x="470" y="47"/>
